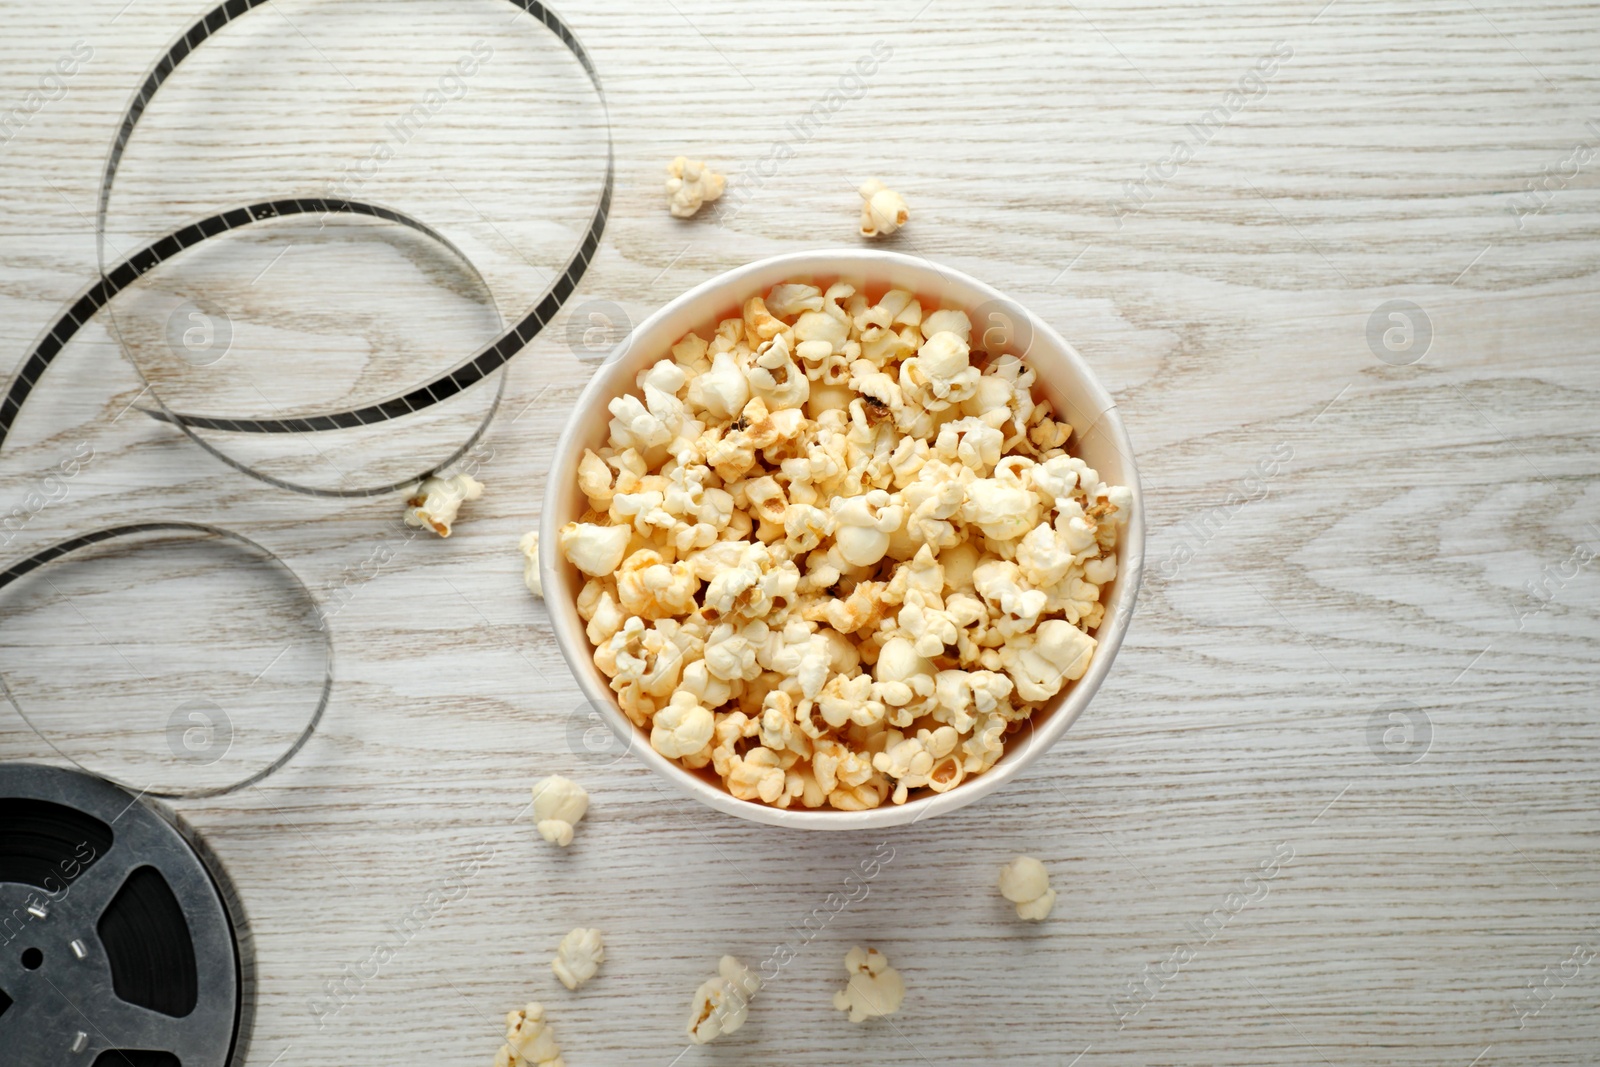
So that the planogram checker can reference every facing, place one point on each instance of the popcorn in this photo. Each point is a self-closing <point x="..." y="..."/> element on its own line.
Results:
<point x="594" y="549"/>
<point x="1041" y="663"/>
<point x="652" y="589"/>
<point x="721" y="391"/>
<point x="800" y="654"/>
<point x="1058" y="476"/>
<point x="1001" y="507"/>
<point x="603" y="613"/>
<point x="1026" y="883"/>
<point x="849" y="700"/>
<point x="529" y="1040"/>
<point x="947" y="320"/>
<point x="730" y="654"/>
<point x="751" y="583"/>
<point x="758" y="774"/>
<point x="530" y="567"/>
<point x="984" y="746"/>
<point x="437" y="502"/>
<point x="900" y="670"/>
<point x="579" y="957"/>
<point x="759" y="323"/>
<point x="883" y="211"/>
<point x="834" y="555"/>
<point x="776" y="378"/>
<point x="1003" y="586"/>
<point x="910" y="761"/>
<point x="1045" y="555"/>
<point x="792" y="298"/>
<point x="722" y="1003"/>
<point x="939" y="375"/>
<point x="682" y="728"/>
<point x="646" y="426"/>
<point x="805" y="527"/>
<point x="863" y="525"/>
<point x="559" y="804"/>
<point x="875" y="988"/>
<point x="690" y="185"/>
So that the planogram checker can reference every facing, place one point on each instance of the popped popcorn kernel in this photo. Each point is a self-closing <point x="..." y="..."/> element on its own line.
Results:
<point x="437" y="502"/>
<point x="722" y="1003"/>
<point x="834" y="554"/>
<point x="559" y="804"/>
<point x="529" y="1040"/>
<point x="690" y="185"/>
<point x="683" y="728"/>
<point x="1026" y="883"/>
<point x="875" y="988"/>
<point x="883" y="211"/>
<point x="530" y="566"/>
<point x="578" y="958"/>
<point x="594" y="549"/>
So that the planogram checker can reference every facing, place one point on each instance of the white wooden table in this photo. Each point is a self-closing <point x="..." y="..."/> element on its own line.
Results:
<point x="1366" y="645"/>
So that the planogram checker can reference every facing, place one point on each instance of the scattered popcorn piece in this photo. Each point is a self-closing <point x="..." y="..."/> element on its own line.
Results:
<point x="559" y="804"/>
<point x="690" y="185"/>
<point x="578" y="958"/>
<point x="529" y="1040"/>
<point x="875" y="988"/>
<point x="530" y="568"/>
<point x="883" y="210"/>
<point x="836" y="552"/>
<point x="1026" y="883"/>
<point x="437" y="502"/>
<point x="721" y="1004"/>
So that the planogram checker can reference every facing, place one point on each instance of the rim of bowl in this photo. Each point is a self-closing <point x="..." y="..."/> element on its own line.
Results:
<point x="615" y="376"/>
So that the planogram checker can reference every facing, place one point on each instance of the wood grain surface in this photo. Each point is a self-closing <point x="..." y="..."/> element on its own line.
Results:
<point x="1363" y="668"/>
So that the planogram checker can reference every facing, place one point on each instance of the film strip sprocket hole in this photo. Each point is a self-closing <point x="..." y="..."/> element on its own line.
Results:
<point x="457" y="393"/>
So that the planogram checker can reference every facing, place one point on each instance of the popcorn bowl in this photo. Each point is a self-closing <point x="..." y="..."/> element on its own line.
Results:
<point x="999" y="324"/>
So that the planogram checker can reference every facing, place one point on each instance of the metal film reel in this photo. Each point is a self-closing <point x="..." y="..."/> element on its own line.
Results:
<point x="120" y="945"/>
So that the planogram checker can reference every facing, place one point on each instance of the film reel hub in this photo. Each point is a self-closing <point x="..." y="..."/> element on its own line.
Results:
<point x="118" y="944"/>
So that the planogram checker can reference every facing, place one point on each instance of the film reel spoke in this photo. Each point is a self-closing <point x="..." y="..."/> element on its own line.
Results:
<point x="86" y="898"/>
<point x="106" y="1025"/>
<point x="120" y="1025"/>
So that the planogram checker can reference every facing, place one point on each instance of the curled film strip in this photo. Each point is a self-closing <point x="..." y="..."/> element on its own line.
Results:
<point x="284" y="741"/>
<point x="117" y="277"/>
<point x="156" y="941"/>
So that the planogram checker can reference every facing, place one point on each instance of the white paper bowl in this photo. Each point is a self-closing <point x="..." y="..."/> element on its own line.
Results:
<point x="1063" y="377"/>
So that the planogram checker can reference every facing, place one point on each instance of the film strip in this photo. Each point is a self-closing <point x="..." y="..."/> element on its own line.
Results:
<point x="122" y="942"/>
<point x="258" y="769"/>
<point x="118" y="276"/>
